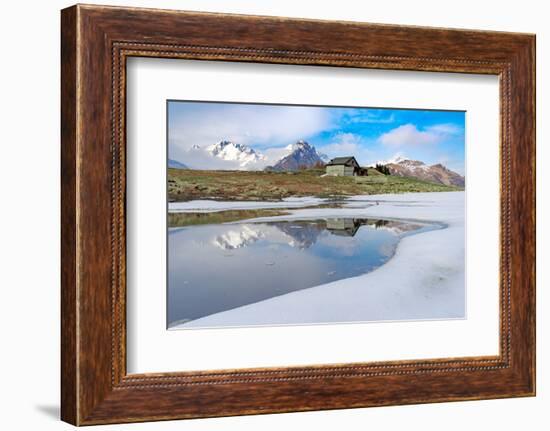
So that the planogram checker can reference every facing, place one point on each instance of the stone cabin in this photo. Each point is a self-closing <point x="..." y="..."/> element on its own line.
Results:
<point x="344" y="166"/>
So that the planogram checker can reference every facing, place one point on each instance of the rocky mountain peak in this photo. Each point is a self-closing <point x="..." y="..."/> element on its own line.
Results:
<point x="235" y="152"/>
<point x="437" y="173"/>
<point x="302" y="155"/>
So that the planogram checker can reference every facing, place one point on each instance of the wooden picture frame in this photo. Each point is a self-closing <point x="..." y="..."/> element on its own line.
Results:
<point x="95" y="43"/>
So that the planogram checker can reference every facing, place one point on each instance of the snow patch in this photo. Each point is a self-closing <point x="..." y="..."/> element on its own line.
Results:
<point x="213" y="206"/>
<point x="424" y="279"/>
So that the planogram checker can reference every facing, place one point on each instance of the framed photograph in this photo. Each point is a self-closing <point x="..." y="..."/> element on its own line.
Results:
<point x="263" y="214"/>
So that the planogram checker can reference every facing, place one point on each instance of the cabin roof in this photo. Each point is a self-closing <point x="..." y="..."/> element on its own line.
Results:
<point x="342" y="161"/>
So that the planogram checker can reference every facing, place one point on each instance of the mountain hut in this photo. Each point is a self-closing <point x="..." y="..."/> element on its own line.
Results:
<point x="344" y="166"/>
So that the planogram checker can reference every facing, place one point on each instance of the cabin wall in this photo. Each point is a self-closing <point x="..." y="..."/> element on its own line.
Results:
<point x="348" y="171"/>
<point x="335" y="170"/>
<point x="341" y="170"/>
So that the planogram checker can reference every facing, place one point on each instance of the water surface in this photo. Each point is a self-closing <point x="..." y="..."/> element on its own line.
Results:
<point x="214" y="268"/>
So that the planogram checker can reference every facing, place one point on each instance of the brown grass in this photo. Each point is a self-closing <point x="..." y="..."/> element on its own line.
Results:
<point x="187" y="184"/>
<point x="194" y="219"/>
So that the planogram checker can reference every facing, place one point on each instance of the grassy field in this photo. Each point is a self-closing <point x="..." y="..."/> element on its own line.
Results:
<point x="188" y="184"/>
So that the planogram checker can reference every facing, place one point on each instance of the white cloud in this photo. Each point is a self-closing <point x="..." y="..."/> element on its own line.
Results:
<point x="342" y="143"/>
<point x="445" y="129"/>
<point x="346" y="144"/>
<point x="409" y="134"/>
<point x="258" y="126"/>
<point x="273" y="155"/>
<point x="370" y="117"/>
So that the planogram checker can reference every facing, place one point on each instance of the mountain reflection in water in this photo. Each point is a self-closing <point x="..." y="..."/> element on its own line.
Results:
<point x="213" y="268"/>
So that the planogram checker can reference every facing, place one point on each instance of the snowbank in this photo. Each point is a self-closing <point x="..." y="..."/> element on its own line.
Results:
<point x="424" y="280"/>
<point x="212" y="206"/>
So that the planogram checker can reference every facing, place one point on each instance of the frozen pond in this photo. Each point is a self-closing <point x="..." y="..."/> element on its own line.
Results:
<point x="220" y="267"/>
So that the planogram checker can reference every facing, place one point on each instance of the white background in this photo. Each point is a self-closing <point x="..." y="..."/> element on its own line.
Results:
<point x="29" y="225"/>
<point x="151" y="348"/>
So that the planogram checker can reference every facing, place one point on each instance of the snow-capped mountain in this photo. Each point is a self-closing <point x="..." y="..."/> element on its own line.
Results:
<point x="243" y="155"/>
<point x="295" y="234"/>
<point x="176" y="165"/>
<point x="300" y="155"/>
<point x="237" y="156"/>
<point x="240" y="237"/>
<point x="396" y="159"/>
<point x="414" y="168"/>
<point x="301" y="235"/>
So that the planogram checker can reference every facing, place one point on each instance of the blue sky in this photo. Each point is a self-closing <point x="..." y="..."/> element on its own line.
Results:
<point x="369" y="134"/>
